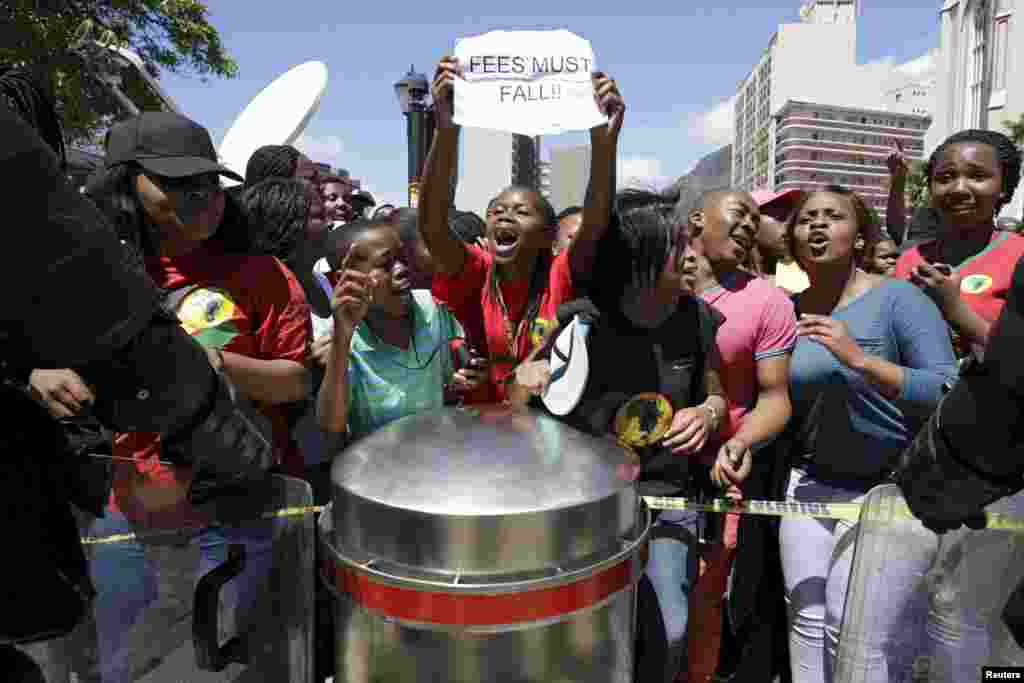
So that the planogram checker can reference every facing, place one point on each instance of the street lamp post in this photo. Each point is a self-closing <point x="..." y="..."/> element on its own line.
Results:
<point x="413" y="97"/>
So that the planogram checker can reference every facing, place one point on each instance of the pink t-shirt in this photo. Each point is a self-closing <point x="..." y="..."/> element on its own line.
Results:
<point x="759" y="323"/>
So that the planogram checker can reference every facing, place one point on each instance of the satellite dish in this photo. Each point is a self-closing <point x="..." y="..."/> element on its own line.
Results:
<point x="276" y="116"/>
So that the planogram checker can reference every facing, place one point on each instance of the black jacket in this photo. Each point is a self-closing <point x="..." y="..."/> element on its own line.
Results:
<point x="73" y="300"/>
<point x="626" y="360"/>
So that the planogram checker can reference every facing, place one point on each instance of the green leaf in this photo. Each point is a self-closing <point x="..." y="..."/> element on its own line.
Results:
<point x="174" y="35"/>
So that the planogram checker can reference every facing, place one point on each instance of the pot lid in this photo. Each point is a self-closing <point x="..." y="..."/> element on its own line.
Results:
<point x="481" y="460"/>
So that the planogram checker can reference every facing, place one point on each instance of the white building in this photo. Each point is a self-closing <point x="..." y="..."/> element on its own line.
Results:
<point x="978" y="57"/>
<point x="813" y="61"/>
<point x="491" y="161"/>
<point x="570" y="172"/>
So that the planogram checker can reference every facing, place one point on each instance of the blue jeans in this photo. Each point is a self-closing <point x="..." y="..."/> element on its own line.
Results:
<point x="127" y="576"/>
<point x="672" y="570"/>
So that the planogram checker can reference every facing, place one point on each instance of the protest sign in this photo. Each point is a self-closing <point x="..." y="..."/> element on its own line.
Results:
<point x="526" y="82"/>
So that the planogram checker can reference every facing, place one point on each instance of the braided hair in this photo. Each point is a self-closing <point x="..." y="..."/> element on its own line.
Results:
<point x="271" y="161"/>
<point x="467" y="226"/>
<point x="1006" y="152"/>
<point x="542" y="264"/>
<point x="26" y="97"/>
<point x="277" y="209"/>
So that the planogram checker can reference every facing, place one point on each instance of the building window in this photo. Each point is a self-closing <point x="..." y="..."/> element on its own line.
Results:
<point x="1000" y="51"/>
<point x="976" y="66"/>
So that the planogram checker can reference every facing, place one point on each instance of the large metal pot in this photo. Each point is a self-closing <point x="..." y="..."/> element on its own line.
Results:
<point x="483" y="544"/>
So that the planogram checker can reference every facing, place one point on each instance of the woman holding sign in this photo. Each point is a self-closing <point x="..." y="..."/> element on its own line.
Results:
<point x="506" y="296"/>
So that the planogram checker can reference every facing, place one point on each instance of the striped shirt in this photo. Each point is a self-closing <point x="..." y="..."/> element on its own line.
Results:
<point x="386" y="383"/>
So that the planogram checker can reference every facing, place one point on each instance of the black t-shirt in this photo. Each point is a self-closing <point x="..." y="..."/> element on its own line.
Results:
<point x="626" y="360"/>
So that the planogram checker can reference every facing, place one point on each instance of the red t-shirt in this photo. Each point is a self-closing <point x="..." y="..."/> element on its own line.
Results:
<point x="985" y="277"/>
<point x="250" y="305"/>
<point x="469" y="297"/>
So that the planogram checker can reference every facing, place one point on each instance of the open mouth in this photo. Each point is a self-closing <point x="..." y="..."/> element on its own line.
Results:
<point x="817" y="243"/>
<point x="962" y="208"/>
<point x="506" y="239"/>
<point x="743" y="242"/>
<point x="401" y="280"/>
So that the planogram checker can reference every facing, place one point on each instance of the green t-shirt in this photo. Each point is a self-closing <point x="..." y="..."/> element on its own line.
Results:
<point x="386" y="383"/>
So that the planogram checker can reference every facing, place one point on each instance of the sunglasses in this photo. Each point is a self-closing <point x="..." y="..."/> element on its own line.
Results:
<point x="194" y="190"/>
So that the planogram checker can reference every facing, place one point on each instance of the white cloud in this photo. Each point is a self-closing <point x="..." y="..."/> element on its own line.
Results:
<point x="713" y="127"/>
<point x="326" y="149"/>
<point x="642" y="172"/>
<point x="922" y="68"/>
<point x="399" y="198"/>
<point x="330" y="149"/>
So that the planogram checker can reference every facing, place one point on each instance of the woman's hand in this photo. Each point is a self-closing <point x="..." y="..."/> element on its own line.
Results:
<point x="940" y="282"/>
<point x="689" y="431"/>
<point x="833" y="335"/>
<point x="443" y="90"/>
<point x="320" y="349"/>
<point x="897" y="163"/>
<point x="351" y="299"/>
<point x="733" y="464"/>
<point x="62" y="392"/>
<point x="472" y="376"/>
<point x="609" y="102"/>
<point x="534" y="376"/>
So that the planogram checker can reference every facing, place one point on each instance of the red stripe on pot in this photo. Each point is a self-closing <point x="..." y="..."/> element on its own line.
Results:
<point x="467" y="609"/>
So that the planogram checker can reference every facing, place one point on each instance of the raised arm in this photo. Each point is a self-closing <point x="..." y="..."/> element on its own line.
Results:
<point x="896" y="207"/>
<point x="604" y="140"/>
<point x="432" y="218"/>
<point x="350" y="302"/>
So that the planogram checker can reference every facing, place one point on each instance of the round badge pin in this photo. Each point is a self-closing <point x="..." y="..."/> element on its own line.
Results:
<point x="975" y="284"/>
<point x="643" y="419"/>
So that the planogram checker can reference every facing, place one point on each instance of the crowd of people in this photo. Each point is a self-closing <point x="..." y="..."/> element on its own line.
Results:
<point x="799" y="343"/>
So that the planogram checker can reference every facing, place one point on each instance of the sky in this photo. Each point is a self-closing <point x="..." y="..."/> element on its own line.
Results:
<point x="676" y="64"/>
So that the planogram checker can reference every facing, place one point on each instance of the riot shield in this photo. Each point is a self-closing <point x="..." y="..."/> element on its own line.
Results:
<point x="229" y="600"/>
<point x="951" y="625"/>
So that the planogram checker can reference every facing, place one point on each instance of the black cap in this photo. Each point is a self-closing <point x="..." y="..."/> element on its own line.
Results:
<point x="165" y="144"/>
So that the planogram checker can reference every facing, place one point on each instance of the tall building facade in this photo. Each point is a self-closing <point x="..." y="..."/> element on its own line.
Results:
<point x="979" y="55"/>
<point x="826" y="37"/>
<point x="570" y="171"/>
<point x="818" y="145"/>
<point x="809" y="75"/>
<point x="491" y="160"/>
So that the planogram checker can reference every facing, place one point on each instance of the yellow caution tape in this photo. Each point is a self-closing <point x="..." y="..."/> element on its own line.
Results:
<point x="851" y="512"/>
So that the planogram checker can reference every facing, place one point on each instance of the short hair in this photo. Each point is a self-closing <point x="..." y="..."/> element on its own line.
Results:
<point x="271" y="161"/>
<point x="404" y="220"/>
<point x="341" y="239"/>
<point x="643" y="232"/>
<point x="20" y="89"/>
<point x="571" y="211"/>
<point x="868" y="224"/>
<point x="383" y="207"/>
<point x="1007" y="153"/>
<point x="277" y="210"/>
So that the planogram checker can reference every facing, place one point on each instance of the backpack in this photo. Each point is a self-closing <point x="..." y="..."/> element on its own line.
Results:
<point x="677" y="355"/>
